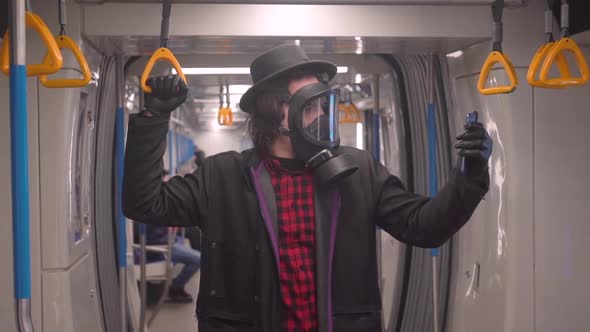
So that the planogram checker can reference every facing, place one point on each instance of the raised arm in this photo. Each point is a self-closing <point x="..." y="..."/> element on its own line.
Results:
<point x="425" y="222"/>
<point x="146" y="198"/>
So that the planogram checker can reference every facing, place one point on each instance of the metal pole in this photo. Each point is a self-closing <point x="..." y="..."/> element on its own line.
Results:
<point x="120" y="155"/>
<point x="168" y="282"/>
<point x="142" y="254"/>
<point x="20" y="168"/>
<point x="171" y="232"/>
<point x="143" y="280"/>
<point x="435" y="295"/>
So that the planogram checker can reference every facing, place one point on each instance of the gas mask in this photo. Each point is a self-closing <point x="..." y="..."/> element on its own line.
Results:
<point x="313" y="128"/>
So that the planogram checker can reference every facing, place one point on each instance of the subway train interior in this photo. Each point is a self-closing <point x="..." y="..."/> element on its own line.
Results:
<point x="409" y="77"/>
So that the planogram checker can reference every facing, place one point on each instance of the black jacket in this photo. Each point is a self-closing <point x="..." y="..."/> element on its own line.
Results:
<point x="231" y="199"/>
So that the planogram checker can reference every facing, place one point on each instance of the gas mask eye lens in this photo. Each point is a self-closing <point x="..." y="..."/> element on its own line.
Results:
<point x="313" y="117"/>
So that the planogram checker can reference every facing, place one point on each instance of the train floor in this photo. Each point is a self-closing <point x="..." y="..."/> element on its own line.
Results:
<point x="178" y="316"/>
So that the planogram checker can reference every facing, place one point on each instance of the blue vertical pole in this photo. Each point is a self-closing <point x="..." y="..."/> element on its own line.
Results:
<point x="432" y="142"/>
<point x="333" y="115"/>
<point x="432" y="164"/>
<point x="433" y="183"/>
<point x="20" y="180"/>
<point x="120" y="155"/>
<point x="120" y="158"/>
<point x="19" y="163"/>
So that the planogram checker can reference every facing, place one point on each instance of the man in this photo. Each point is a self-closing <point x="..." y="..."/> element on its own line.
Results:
<point x="190" y="258"/>
<point x="289" y="226"/>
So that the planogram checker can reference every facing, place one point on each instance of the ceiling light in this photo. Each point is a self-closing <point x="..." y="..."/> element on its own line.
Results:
<point x="215" y="71"/>
<point x="238" y="88"/>
<point x="359" y="46"/>
<point x="455" y="55"/>
<point x="342" y="70"/>
<point x="228" y="70"/>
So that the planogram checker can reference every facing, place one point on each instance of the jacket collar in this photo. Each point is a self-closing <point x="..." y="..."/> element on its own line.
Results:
<point x="250" y="158"/>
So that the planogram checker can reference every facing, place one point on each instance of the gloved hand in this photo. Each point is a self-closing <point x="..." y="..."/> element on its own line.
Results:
<point x="476" y="146"/>
<point x="168" y="92"/>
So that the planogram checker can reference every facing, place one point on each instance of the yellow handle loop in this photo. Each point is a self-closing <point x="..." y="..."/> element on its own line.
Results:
<point x="493" y="58"/>
<point x="351" y="113"/>
<point x="65" y="42"/>
<point x="54" y="56"/>
<point x="225" y="116"/>
<point x="163" y="54"/>
<point x="554" y="54"/>
<point x="536" y="63"/>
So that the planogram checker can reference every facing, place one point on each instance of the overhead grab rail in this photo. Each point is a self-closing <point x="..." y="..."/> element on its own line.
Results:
<point x="509" y="3"/>
<point x="65" y="42"/>
<point x="542" y="53"/>
<point x="497" y="56"/>
<point x="225" y="116"/>
<point x="162" y="53"/>
<point x="351" y="112"/>
<point x="53" y="56"/>
<point x="565" y="44"/>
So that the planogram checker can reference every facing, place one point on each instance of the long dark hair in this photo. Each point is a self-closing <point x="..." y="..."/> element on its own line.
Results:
<point x="266" y="120"/>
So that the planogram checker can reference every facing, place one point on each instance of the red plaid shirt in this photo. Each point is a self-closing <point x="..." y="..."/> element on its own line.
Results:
<point x="293" y="186"/>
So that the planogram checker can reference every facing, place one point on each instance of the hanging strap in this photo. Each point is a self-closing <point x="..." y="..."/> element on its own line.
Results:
<point x="548" y="22"/>
<point x="497" y="56"/>
<point x="498" y="27"/>
<point x="166" y="7"/>
<point x="543" y="51"/>
<point x="227" y="95"/>
<point x="162" y="53"/>
<point x="62" y="17"/>
<point x="555" y="54"/>
<point x="565" y="19"/>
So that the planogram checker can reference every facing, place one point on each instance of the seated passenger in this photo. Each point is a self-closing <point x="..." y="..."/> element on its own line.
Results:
<point x="191" y="258"/>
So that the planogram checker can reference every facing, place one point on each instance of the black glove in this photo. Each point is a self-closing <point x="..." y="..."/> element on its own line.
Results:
<point x="168" y="92"/>
<point x="475" y="146"/>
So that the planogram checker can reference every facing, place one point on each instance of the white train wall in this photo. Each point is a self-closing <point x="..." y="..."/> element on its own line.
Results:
<point x="529" y="235"/>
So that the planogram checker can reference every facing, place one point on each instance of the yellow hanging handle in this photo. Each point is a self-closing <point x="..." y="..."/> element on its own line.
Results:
<point x="554" y="54"/>
<point x="65" y="42"/>
<point x="536" y="63"/>
<point x="493" y="58"/>
<point x="225" y="116"/>
<point x="161" y="54"/>
<point x="55" y="59"/>
<point x="351" y="113"/>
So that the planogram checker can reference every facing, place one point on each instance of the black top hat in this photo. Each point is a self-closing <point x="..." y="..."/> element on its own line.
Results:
<point x="277" y="62"/>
